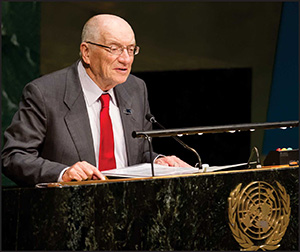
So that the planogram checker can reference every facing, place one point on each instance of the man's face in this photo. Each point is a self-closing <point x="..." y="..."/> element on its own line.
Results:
<point x="107" y="69"/>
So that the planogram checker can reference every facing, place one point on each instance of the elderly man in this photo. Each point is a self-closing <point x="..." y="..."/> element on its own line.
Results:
<point x="74" y="123"/>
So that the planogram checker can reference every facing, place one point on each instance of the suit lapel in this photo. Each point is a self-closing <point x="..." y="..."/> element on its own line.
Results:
<point x="77" y="119"/>
<point x="128" y="119"/>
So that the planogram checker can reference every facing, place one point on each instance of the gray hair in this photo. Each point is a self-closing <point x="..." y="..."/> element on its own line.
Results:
<point x="90" y="31"/>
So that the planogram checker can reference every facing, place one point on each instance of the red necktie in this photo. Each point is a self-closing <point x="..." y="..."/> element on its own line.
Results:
<point x="106" y="152"/>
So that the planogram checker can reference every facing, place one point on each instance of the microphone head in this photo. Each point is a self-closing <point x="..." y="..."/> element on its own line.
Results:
<point x="150" y="118"/>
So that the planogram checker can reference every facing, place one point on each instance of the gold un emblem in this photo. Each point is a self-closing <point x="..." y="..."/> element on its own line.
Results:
<point x="258" y="215"/>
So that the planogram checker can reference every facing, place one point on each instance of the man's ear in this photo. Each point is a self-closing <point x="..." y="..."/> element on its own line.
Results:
<point x="85" y="53"/>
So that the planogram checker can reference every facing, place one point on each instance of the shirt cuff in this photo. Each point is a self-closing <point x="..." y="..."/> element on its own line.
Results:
<point x="158" y="156"/>
<point x="61" y="174"/>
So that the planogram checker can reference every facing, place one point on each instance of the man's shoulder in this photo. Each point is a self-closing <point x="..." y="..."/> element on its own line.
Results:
<point x="133" y="86"/>
<point x="134" y="80"/>
<point x="133" y="77"/>
<point x="57" y="77"/>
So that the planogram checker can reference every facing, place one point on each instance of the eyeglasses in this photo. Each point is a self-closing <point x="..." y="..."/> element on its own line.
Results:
<point x="118" y="50"/>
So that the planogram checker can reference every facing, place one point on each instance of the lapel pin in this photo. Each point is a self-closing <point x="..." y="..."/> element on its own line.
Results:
<point x="127" y="111"/>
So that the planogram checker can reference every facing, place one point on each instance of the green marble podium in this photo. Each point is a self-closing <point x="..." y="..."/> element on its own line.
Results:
<point x="186" y="212"/>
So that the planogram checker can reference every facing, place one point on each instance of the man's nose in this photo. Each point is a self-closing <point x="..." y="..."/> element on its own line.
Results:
<point x="125" y="57"/>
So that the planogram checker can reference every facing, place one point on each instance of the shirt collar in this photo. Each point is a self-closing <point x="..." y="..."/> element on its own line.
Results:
<point x="90" y="89"/>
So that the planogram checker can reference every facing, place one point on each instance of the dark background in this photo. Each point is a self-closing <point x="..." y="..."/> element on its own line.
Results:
<point x="222" y="96"/>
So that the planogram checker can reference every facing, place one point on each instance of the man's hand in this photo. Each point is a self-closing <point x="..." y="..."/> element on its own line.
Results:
<point x="82" y="171"/>
<point x="171" y="161"/>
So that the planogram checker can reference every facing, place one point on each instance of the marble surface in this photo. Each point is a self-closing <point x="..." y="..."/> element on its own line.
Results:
<point x="20" y="56"/>
<point x="183" y="213"/>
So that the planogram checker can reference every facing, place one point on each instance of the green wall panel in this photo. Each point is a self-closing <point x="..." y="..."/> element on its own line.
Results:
<point x="20" y="55"/>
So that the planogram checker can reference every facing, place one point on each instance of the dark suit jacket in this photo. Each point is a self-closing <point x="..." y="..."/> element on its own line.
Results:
<point x="51" y="129"/>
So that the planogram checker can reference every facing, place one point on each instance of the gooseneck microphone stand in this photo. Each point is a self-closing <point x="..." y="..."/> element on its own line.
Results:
<point x="152" y="119"/>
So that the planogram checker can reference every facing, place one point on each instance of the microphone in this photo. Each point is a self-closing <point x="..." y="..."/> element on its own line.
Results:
<point x="152" y="119"/>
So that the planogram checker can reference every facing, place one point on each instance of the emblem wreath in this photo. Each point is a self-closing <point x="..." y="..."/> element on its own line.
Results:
<point x="271" y="243"/>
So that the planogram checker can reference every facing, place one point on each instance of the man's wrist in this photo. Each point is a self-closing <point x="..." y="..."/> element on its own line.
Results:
<point x="61" y="174"/>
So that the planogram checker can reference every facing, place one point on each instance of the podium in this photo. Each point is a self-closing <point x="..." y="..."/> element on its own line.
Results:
<point x="224" y="210"/>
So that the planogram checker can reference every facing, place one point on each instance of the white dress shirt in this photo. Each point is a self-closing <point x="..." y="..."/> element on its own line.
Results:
<point x="92" y="94"/>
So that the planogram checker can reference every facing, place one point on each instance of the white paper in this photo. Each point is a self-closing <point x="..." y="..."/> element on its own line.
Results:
<point x="223" y="167"/>
<point x="144" y="170"/>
